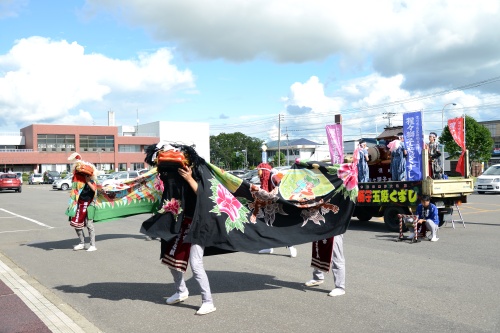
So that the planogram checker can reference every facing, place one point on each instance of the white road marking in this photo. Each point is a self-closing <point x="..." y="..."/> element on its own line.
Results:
<point x="27" y="218"/>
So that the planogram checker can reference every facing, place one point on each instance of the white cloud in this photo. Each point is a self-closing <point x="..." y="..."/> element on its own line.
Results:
<point x="42" y="80"/>
<point x="432" y="43"/>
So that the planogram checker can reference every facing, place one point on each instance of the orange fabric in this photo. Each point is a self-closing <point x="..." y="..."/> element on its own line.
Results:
<point x="172" y="156"/>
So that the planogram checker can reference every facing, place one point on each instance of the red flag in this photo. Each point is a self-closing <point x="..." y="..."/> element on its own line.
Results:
<point x="456" y="126"/>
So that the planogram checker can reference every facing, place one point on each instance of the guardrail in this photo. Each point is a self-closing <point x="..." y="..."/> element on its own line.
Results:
<point x="16" y="150"/>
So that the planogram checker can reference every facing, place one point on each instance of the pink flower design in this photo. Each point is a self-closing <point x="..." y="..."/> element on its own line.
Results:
<point x="158" y="184"/>
<point x="172" y="206"/>
<point x="227" y="203"/>
<point x="348" y="172"/>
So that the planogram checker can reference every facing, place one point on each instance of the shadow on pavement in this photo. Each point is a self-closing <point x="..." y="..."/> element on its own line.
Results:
<point x="220" y="282"/>
<point x="69" y="243"/>
<point x="367" y="226"/>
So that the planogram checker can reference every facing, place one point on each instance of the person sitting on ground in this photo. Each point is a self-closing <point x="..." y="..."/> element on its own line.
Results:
<point x="427" y="213"/>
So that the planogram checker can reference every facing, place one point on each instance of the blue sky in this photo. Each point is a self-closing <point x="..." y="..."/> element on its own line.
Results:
<point x="239" y="64"/>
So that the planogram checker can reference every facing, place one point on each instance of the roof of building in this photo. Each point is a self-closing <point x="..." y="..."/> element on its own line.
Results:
<point x="390" y="132"/>
<point x="290" y="143"/>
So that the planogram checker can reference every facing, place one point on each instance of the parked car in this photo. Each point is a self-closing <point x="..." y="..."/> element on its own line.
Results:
<point x="103" y="177"/>
<point x="249" y="175"/>
<point x="120" y="176"/>
<point x="64" y="183"/>
<point x="50" y="176"/>
<point x="142" y="171"/>
<point x="35" y="178"/>
<point x="9" y="181"/>
<point x="238" y="173"/>
<point x="489" y="181"/>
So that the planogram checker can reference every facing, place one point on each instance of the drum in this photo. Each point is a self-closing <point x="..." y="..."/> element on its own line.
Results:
<point x="379" y="154"/>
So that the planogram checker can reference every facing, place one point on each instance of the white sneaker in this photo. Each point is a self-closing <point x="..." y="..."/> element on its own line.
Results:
<point x="266" y="251"/>
<point x="92" y="248"/>
<point x="293" y="251"/>
<point x="206" y="308"/>
<point x="312" y="283"/>
<point x="411" y="235"/>
<point x="78" y="247"/>
<point x="337" y="292"/>
<point x="177" y="297"/>
<point x="434" y="239"/>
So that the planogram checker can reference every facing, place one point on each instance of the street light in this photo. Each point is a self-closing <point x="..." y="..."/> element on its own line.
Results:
<point x="264" y="152"/>
<point x="246" y="158"/>
<point x="442" y="128"/>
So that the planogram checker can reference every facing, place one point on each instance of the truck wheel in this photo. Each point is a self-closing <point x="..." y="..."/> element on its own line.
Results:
<point x="364" y="215"/>
<point x="391" y="218"/>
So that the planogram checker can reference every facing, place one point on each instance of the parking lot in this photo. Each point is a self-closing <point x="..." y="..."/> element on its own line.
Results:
<point x="447" y="286"/>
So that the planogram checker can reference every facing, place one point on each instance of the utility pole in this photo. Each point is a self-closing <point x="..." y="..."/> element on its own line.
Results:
<point x="137" y="128"/>
<point x="280" y="118"/>
<point x="389" y="115"/>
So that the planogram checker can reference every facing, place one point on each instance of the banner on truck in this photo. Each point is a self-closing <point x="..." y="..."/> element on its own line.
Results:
<point x="457" y="130"/>
<point x="413" y="136"/>
<point x="334" y="134"/>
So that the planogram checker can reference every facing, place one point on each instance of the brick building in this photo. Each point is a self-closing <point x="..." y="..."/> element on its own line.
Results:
<point x="42" y="147"/>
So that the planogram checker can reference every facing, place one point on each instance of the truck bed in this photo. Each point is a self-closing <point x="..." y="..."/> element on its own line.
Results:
<point x="445" y="188"/>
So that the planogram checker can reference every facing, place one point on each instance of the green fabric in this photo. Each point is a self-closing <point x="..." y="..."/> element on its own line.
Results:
<point x="137" y="196"/>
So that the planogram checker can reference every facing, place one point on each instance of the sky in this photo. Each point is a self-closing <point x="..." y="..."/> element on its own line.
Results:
<point x="259" y="67"/>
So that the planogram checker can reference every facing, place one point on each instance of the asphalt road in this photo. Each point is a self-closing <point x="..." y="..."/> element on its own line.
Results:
<point x="448" y="286"/>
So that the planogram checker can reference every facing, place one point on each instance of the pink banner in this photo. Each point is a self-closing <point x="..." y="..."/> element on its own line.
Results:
<point x="334" y="134"/>
<point x="457" y="130"/>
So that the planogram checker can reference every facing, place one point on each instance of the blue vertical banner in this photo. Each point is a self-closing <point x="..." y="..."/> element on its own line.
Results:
<point x="413" y="136"/>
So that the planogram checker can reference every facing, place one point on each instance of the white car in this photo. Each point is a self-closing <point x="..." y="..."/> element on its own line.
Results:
<point x="119" y="177"/>
<point x="489" y="181"/>
<point x="35" y="178"/>
<point x="64" y="183"/>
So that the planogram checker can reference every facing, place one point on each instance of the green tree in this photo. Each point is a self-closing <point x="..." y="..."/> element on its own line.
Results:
<point x="223" y="149"/>
<point x="282" y="159"/>
<point x="477" y="140"/>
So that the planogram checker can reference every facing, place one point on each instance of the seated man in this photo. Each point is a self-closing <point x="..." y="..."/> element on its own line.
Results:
<point x="427" y="214"/>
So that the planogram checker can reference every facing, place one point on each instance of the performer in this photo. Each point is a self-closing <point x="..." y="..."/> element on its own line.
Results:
<point x="229" y="214"/>
<point x="326" y="254"/>
<point x="180" y="177"/>
<point x="398" y="158"/>
<point x="363" y="172"/>
<point x="82" y="196"/>
<point x="434" y="157"/>
<point x="268" y="181"/>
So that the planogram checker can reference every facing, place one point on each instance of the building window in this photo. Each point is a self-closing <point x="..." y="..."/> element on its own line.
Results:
<point x="137" y="166"/>
<point x="97" y="143"/>
<point x="56" y="142"/>
<point x="129" y="148"/>
<point x="122" y="166"/>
